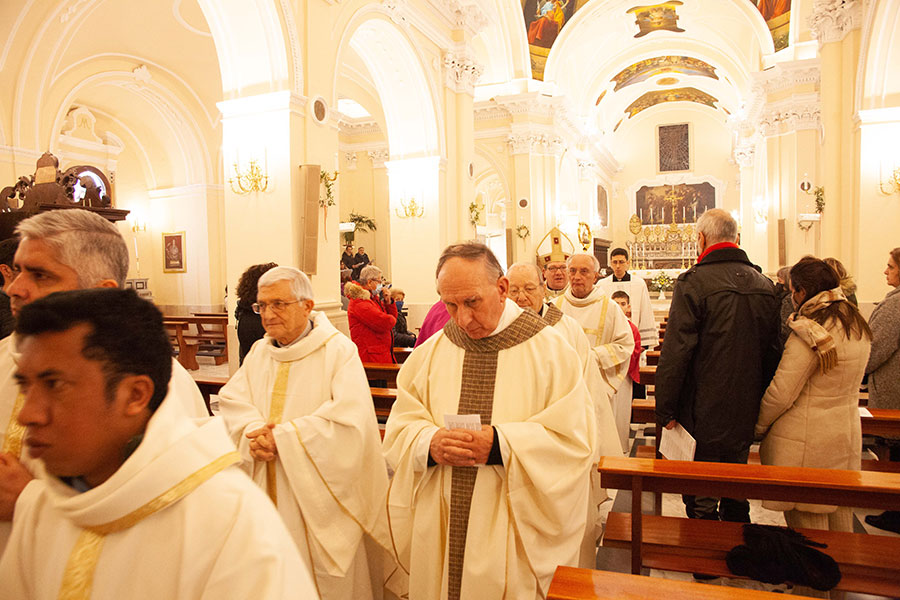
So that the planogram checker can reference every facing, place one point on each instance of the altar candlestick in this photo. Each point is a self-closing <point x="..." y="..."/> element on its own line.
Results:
<point x="651" y="214"/>
<point x="684" y="214"/>
<point x="642" y="215"/>
<point x="695" y="213"/>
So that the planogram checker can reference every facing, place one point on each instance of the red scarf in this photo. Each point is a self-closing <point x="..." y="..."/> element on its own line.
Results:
<point x="718" y="246"/>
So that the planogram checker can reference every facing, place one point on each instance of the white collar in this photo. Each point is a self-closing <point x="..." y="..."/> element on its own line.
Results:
<point x="511" y="312"/>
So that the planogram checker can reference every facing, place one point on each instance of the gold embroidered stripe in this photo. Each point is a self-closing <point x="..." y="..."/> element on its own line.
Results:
<point x="15" y="433"/>
<point x="78" y="577"/>
<point x="276" y="413"/>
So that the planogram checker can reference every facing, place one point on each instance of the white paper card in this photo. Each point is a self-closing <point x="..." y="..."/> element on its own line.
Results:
<point x="677" y="443"/>
<point x="470" y="422"/>
<point x="864" y="412"/>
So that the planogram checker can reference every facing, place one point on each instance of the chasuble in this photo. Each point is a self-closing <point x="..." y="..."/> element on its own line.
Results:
<point x="329" y="479"/>
<point x="499" y="530"/>
<point x="178" y="520"/>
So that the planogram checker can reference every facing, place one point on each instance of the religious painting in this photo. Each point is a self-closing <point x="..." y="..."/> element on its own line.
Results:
<point x="777" y="14"/>
<point x="602" y="206"/>
<point x="650" y="67"/>
<point x="173" y="252"/>
<point x="679" y="203"/>
<point x="544" y="20"/>
<point x="673" y="148"/>
<point x="656" y="17"/>
<point x="684" y="94"/>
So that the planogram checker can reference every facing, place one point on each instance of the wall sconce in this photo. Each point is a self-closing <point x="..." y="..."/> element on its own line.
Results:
<point x="254" y="179"/>
<point x="806" y="220"/>
<point x="138" y="225"/>
<point x="410" y="210"/>
<point x="892" y="185"/>
<point x="760" y="212"/>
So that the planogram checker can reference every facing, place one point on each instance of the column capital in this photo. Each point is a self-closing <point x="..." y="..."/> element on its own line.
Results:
<point x="792" y="114"/>
<point x="832" y="20"/>
<point x="461" y="71"/>
<point x="379" y="156"/>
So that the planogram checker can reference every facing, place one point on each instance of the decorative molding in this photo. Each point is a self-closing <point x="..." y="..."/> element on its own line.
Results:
<point x="82" y="121"/>
<point x="792" y="114"/>
<point x="142" y="75"/>
<point x="378" y="157"/>
<point x="461" y="72"/>
<point x="351" y="158"/>
<point x="534" y="142"/>
<point x="70" y="11"/>
<point x="832" y="20"/>
<point x="488" y="111"/>
<point x="349" y="126"/>
<point x="787" y="75"/>
<point x="397" y="10"/>
<point x="744" y="153"/>
<point x="287" y="13"/>
<point x="586" y="169"/>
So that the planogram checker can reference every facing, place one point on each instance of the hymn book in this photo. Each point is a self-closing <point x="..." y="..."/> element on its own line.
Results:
<point x="677" y="443"/>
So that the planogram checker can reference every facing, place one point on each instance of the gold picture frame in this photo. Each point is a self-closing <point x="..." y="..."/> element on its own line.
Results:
<point x="173" y="248"/>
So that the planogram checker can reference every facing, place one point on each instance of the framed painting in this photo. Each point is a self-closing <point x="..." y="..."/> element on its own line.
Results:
<point x="173" y="252"/>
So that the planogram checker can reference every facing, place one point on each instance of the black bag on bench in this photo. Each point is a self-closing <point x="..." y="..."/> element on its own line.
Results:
<point x="777" y="554"/>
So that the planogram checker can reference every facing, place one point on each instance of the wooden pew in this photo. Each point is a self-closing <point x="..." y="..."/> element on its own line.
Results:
<point x="884" y="422"/>
<point x="652" y="358"/>
<point x="382" y="372"/>
<point x="384" y="400"/>
<point x="401" y="354"/>
<point x="571" y="583"/>
<point x="210" y="335"/>
<point x="184" y="348"/>
<point x="209" y="385"/>
<point x="869" y="563"/>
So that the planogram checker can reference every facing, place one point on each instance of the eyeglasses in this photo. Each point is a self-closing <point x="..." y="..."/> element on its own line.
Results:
<point x="557" y="268"/>
<point x="528" y="289"/>
<point x="277" y="306"/>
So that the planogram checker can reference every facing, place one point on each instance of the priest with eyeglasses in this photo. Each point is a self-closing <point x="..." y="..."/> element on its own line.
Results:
<point x="301" y="414"/>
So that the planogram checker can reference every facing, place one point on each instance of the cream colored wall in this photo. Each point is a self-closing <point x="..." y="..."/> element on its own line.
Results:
<point x="635" y="147"/>
<point x="364" y="189"/>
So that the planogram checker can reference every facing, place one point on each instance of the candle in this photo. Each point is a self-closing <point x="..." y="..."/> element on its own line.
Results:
<point x="684" y="214"/>
<point x="695" y="213"/>
<point x="651" y="214"/>
<point x="642" y="215"/>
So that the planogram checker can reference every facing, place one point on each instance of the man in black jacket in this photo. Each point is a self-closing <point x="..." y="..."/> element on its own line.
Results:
<point x="720" y="352"/>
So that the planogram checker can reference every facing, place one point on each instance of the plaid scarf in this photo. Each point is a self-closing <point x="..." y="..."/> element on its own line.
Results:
<point x="816" y="336"/>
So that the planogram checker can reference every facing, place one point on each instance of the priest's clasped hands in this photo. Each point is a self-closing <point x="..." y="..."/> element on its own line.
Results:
<point x="462" y="447"/>
<point x="262" y="443"/>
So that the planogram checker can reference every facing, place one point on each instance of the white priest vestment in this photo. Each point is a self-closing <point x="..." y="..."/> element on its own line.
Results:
<point x="11" y="433"/>
<point x="178" y="520"/>
<point x="607" y="436"/>
<point x="329" y="480"/>
<point x="641" y="307"/>
<point x="610" y="336"/>
<point x="525" y="516"/>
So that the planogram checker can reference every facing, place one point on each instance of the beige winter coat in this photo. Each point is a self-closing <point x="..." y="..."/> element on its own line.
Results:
<point x="810" y="419"/>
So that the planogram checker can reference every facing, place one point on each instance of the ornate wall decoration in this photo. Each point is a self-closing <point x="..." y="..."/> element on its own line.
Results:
<point x="680" y="203"/>
<point x="544" y="20"/>
<point x="684" y="94"/>
<point x="744" y="153"/>
<point x="831" y="20"/>
<point x="461" y="72"/>
<point x="674" y="148"/>
<point x="525" y="142"/>
<point x="352" y="159"/>
<point x="793" y="114"/>
<point x="645" y="69"/>
<point x="378" y="157"/>
<point x="656" y="17"/>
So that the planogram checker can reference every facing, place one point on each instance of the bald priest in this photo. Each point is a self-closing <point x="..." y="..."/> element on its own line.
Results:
<point x="133" y="499"/>
<point x="488" y="512"/>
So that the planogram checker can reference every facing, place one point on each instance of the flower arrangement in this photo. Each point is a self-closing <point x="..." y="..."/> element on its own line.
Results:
<point x="819" y="192"/>
<point x="662" y="282"/>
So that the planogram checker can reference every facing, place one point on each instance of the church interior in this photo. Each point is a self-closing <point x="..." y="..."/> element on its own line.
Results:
<point x="230" y="133"/>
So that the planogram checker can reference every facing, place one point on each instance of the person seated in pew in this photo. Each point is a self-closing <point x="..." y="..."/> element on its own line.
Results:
<point x="61" y="250"/>
<point x="371" y="316"/>
<point x="809" y="415"/>
<point x="403" y="338"/>
<point x="300" y="413"/>
<point x="135" y="500"/>
<point x="527" y="288"/>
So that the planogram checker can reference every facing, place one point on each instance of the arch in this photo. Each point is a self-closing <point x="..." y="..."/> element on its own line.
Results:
<point x="878" y="83"/>
<point x="502" y="47"/>
<point x="399" y="78"/>
<point x="251" y="46"/>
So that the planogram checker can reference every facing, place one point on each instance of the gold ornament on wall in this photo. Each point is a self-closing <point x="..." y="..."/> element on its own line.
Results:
<point x="584" y="235"/>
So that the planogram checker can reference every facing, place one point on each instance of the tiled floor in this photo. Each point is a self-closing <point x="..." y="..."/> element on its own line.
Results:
<point x="609" y="559"/>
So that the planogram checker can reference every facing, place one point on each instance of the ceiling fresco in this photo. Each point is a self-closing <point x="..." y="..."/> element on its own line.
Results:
<point x="684" y="94"/>
<point x="645" y="69"/>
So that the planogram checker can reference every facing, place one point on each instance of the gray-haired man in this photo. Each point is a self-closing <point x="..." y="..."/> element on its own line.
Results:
<point x="60" y="250"/>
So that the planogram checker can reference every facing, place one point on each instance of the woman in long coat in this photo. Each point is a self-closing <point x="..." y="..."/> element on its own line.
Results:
<point x="810" y="412"/>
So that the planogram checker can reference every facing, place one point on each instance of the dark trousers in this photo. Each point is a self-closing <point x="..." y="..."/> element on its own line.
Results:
<point x="718" y="509"/>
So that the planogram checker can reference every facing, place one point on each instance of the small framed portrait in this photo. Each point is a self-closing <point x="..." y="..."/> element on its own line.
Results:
<point x="173" y="252"/>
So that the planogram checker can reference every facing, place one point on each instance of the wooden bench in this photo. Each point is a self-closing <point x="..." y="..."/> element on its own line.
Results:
<point x="210" y="334"/>
<point x="572" y="583"/>
<point x="884" y="422"/>
<point x="209" y="385"/>
<point x="385" y="372"/>
<point x="401" y="354"/>
<point x="383" y="398"/>
<point x="652" y="358"/>
<point x="185" y="349"/>
<point x="869" y="563"/>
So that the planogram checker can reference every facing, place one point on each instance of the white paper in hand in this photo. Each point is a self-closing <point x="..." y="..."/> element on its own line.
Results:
<point x="677" y="443"/>
<point x="470" y="422"/>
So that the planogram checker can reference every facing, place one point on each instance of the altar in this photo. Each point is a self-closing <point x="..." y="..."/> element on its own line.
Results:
<point x="656" y="247"/>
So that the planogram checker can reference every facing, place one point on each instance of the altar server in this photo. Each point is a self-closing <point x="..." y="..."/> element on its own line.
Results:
<point x="300" y="411"/>
<point x="137" y="500"/>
